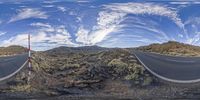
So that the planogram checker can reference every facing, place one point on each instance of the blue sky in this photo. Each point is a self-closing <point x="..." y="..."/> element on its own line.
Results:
<point x="107" y="23"/>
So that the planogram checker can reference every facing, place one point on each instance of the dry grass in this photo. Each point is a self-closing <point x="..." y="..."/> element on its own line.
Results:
<point x="173" y="48"/>
<point x="21" y="88"/>
<point x="11" y="50"/>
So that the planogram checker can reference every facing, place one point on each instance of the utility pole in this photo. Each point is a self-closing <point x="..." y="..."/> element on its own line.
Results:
<point x="29" y="57"/>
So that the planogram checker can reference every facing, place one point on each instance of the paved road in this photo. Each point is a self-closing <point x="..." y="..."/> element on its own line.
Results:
<point x="174" y="69"/>
<point x="9" y="66"/>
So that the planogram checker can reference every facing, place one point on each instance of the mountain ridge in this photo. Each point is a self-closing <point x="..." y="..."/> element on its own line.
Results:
<point x="172" y="48"/>
<point x="12" y="50"/>
<point x="169" y="48"/>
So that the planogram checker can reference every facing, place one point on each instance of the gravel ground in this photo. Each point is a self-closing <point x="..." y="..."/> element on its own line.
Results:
<point x="120" y="90"/>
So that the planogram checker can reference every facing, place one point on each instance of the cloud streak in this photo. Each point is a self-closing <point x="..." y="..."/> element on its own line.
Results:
<point x="113" y="14"/>
<point x="47" y="37"/>
<point x="27" y="13"/>
<point x="107" y="22"/>
<point x="146" y="8"/>
<point x="2" y="33"/>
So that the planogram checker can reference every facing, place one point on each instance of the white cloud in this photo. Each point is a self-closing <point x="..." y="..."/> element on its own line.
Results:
<point x="29" y="13"/>
<point x="46" y="38"/>
<point x="83" y="1"/>
<point x="113" y="14"/>
<point x="61" y="8"/>
<point x="184" y="2"/>
<point x="82" y="36"/>
<point x="107" y="22"/>
<point x="49" y="2"/>
<point x="195" y="39"/>
<point x="79" y="19"/>
<point x="196" y="2"/>
<point x="158" y="34"/>
<point x="146" y="8"/>
<point x="72" y="13"/>
<point x="180" y="35"/>
<point x="192" y="20"/>
<point x="180" y="3"/>
<point x="2" y="33"/>
<point x="19" y="39"/>
<point x="48" y="6"/>
<point x="38" y="24"/>
<point x="193" y="29"/>
<point x="147" y="25"/>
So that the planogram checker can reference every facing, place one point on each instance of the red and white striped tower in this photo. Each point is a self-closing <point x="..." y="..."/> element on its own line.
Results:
<point x="29" y="57"/>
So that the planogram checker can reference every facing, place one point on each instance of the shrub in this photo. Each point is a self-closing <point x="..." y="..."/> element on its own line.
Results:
<point x="118" y="65"/>
<point x="132" y="76"/>
<point x="21" y="88"/>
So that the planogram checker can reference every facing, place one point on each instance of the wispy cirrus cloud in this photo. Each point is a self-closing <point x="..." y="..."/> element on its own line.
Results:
<point x="146" y="8"/>
<point x="112" y="15"/>
<point x="47" y="37"/>
<point x="61" y="8"/>
<point x="27" y="13"/>
<point x="192" y="24"/>
<point x="2" y="33"/>
<point x="106" y="23"/>
<point x="192" y="20"/>
<point x="82" y="36"/>
<point x="185" y="2"/>
<point x="39" y="24"/>
<point x="48" y="6"/>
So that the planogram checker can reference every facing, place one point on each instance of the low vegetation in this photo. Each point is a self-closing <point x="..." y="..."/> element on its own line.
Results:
<point x="21" y="88"/>
<point x="12" y="50"/>
<point x="54" y="72"/>
<point x="64" y="69"/>
<point x="172" y="48"/>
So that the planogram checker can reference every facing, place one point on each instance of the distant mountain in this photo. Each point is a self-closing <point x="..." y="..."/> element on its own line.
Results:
<point x="172" y="48"/>
<point x="64" y="69"/>
<point x="84" y="49"/>
<point x="168" y="48"/>
<point x="13" y="49"/>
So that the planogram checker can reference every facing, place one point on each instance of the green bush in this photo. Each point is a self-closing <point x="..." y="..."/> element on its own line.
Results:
<point x="132" y="76"/>
<point x="21" y="88"/>
<point x="138" y="76"/>
<point x="118" y="65"/>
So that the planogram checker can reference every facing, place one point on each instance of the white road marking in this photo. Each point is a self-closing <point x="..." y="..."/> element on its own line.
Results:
<point x="165" y="78"/>
<point x="9" y="76"/>
<point x="180" y="61"/>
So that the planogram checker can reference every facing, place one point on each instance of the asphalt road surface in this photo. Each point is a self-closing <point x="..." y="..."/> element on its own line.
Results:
<point x="9" y="66"/>
<point x="169" y="68"/>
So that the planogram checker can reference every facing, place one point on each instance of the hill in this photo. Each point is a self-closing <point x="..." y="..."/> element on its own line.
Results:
<point x="172" y="48"/>
<point x="96" y="70"/>
<point x="67" y="50"/>
<point x="11" y="50"/>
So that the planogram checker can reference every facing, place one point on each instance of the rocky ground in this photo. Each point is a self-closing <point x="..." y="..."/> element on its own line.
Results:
<point x="97" y="73"/>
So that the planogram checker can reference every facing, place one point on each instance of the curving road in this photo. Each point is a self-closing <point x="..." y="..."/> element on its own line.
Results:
<point x="169" y="68"/>
<point x="9" y="66"/>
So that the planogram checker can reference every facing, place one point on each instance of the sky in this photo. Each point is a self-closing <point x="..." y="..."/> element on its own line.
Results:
<point x="107" y="23"/>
